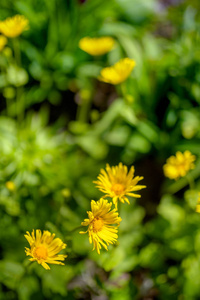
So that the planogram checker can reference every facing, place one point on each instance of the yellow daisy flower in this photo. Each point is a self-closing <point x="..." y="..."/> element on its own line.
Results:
<point x="96" y="46"/>
<point x="119" y="72"/>
<point x="198" y="204"/>
<point x="179" y="165"/>
<point x="100" y="222"/>
<point x="44" y="248"/>
<point x="14" y="26"/>
<point x="3" y="42"/>
<point x="117" y="183"/>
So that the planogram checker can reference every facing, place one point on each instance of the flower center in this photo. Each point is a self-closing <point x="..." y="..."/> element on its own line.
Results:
<point x="118" y="188"/>
<point x="41" y="252"/>
<point x="97" y="224"/>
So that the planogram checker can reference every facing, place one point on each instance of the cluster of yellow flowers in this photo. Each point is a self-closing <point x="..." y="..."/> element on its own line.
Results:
<point x="117" y="183"/>
<point x="103" y="221"/>
<point x="11" y="28"/>
<point x="115" y="74"/>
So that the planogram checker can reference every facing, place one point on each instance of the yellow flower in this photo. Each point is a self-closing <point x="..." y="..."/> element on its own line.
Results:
<point x="119" y="72"/>
<point x="179" y="165"/>
<point x="10" y="186"/>
<point x="3" y="42"/>
<point x="100" y="222"/>
<point x="14" y="26"/>
<point x="117" y="183"/>
<point x="96" y="46"/>
<point x="198" y="204"/>
<point x="44" y="248"/>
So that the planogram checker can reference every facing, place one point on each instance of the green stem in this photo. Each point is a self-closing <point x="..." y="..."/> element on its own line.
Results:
<point x="183" y="182"/>
<point x="19" y="90"/>
<point x="17" y="53"/>
<point x="20" y="104"/>
<point x="27" y="265"/>
<point x="75" y="229"/>
<point x="123" y="90"/>
<point x="83" y="112"/>
<point x="190" y="181"/>
<point x="84" y="109"/>
<point x="125" y="94"/>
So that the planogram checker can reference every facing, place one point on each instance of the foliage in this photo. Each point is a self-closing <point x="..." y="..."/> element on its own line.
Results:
<point x="59" y="126"/>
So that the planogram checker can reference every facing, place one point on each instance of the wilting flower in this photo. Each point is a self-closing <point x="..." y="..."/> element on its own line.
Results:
<point x="117" y="183"/>
<point x="102" y="224"/>
<point x="44" y="248"/>
<point x="14" y="26"/>
<point x="198" y="204"/>
<point x="96" y="46"/>
<point x="3" y="42"/>
<point x="119" y="72"/>
<point x="179" y="165"/>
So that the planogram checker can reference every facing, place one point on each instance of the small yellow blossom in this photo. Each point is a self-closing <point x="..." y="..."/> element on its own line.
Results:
<point x="96" y="46"/>
<point x="3" y="42"/>
<point x="44" y="248"/>
<point x="179" y="165"/>
<point x="10" y="186"/>
<point x="198" y="204"/>
<point x="117" y="183"/>
<point x="14" y="26"/>
<point x="119" y="72"/>
<point x="100" y="222"/>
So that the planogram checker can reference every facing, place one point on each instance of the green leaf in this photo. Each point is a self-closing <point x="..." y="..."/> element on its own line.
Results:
<point x="11" y="273"/>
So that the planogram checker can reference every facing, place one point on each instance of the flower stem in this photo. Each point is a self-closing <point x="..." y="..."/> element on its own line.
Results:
<point x="19" y="90"/>
<point x="17" y="53"/>
<point x="190" y="181"/>
<point x="75" y="229"/>
<point x="27" y="265"/>
<point x="125" y="94"/>
<point x="123" y="90"/>
<point x="20" y="104"/>
<point x="84" y="107"/>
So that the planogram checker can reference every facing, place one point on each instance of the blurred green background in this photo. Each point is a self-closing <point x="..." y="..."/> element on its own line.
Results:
<point x="59" y="125"/>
